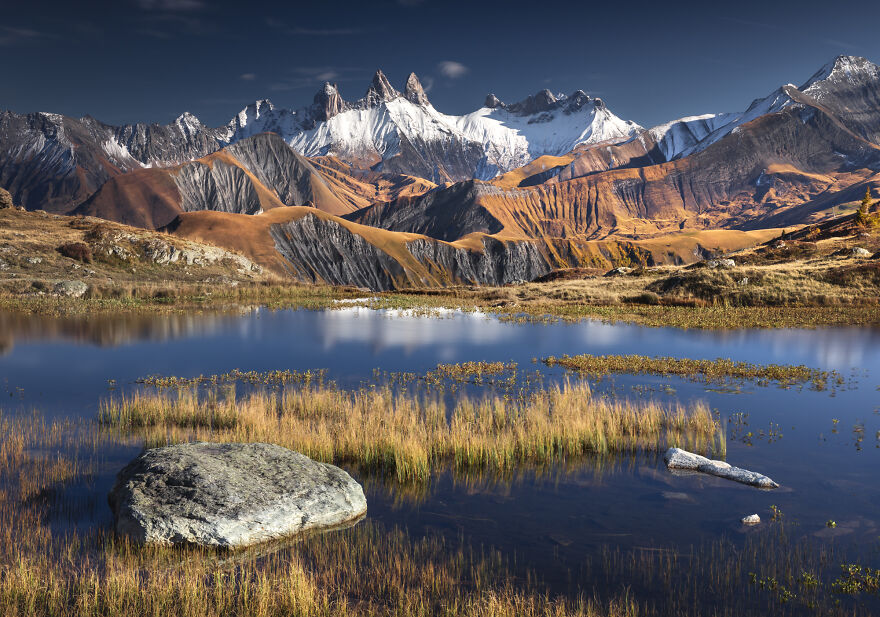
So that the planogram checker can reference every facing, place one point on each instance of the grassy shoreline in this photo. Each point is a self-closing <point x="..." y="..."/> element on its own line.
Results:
<point x="153" y="301"/>
<point x="818" y="276"/>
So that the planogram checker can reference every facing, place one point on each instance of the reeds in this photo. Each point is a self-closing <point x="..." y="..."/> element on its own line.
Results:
<point x="406" y="435"/>
<point x="365" y="570"/>
<point x="370" y="569"/>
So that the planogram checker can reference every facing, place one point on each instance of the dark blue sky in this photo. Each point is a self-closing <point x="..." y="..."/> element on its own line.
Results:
<point x="150" y="60"/>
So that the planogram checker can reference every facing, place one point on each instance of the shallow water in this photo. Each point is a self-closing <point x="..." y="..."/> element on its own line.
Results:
<point x="557" y="522"/>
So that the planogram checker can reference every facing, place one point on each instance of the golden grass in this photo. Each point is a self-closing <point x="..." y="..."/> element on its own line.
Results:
<point x="408" y="436"/>
<point x="365" y="570"/>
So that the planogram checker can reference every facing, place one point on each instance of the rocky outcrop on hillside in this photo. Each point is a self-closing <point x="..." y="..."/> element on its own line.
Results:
<point x="130" y="246"/>
<point x="324" y="250"/>
<point x="5" y="199"/>
<point x="499" y="263"/>
<point x="279" y="168"/>
<point x="221" y="187"/>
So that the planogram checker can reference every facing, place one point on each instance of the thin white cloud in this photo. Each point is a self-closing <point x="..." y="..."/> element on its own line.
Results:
<point x="10" y="37"/>
<point x="311" y="76"/>
<point x="427" y="84"/>
<point x="301" y="31"/>
<point x="171" y="5"/>
<point x="452" y="69"/>
<point x="324" y="32"/>
<point x="248" y="76"/>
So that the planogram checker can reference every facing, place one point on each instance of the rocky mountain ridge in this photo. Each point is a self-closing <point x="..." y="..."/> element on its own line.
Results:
<point x="374" y="217"/>
<point x="55" y="162"/>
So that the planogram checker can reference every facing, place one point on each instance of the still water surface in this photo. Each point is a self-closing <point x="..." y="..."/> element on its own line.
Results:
<point x="825" y="451"/>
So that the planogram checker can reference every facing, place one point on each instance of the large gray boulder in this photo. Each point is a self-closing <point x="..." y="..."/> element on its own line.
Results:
<point x="230" y="495"/>
<point x="71" y="289"/>
<point x="676" y="458"/>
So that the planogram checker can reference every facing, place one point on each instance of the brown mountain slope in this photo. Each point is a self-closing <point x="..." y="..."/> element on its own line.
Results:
<point x="314" y="246"/>
<point x="365" y="186"/>
<point x="254" y="175"/>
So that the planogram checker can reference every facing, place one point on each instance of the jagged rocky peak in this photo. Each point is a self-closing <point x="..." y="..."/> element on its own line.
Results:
<point x="841" y="71"/>
<point x="541" y="101"/>
<point x="493" y="102"/>
<point x="380" y="90"/>
<point x="414" y="92"/>
<point x="188" y="122"/>
<point x="328" y="102"/>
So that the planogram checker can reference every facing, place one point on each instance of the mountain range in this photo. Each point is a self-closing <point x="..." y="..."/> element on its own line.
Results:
<point x="505" y="193"/>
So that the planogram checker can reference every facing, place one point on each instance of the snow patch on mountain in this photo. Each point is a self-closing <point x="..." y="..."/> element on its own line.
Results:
<point x="513" y="140"/>
<point x="119" y="154"/>
<point x="682" y="135"/>
<point x="687" y="136"/>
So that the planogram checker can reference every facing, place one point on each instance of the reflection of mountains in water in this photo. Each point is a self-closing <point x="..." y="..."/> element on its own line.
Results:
<point x="111" y="330"/>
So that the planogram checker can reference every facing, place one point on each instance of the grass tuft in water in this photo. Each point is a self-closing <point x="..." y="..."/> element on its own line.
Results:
<point x="717" y="370"/>
<point x="406" y="436"/>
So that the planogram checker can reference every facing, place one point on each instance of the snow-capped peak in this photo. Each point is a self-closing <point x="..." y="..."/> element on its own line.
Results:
<point x="841" y="72"/>
<point x="373" y="128"/>
<point x="251" y="114"/>
<point x="188" y="123"/>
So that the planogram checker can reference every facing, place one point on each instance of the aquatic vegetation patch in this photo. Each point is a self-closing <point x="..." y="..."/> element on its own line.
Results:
<point x="718" y="370"/>
<point x="271" y="378"/>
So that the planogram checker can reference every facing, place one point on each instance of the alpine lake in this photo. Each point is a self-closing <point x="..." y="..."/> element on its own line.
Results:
<point x="612" y="526"/>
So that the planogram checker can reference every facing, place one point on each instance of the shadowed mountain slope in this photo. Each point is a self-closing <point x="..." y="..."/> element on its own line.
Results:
<point x="256" y="174"/>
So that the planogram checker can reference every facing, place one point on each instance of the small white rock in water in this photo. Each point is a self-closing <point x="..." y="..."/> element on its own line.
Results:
<point x="751" y="519"/>
<point x="676" y="458"/>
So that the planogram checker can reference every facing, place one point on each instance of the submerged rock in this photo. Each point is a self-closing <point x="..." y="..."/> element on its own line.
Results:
<point x="676" y="458"/>
<point x="230" y="495"/>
